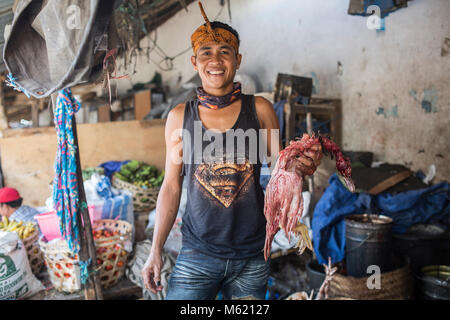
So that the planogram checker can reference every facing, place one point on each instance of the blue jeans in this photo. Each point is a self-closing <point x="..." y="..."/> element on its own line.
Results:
<point x="197" y="276"/>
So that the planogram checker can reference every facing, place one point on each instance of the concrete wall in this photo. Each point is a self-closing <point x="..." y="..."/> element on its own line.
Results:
<point x="394" y="85"/>
<point x="28" y="155"/>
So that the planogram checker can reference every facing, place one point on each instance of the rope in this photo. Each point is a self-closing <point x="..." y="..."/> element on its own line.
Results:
<point x="11" y="82"/>
<point x="84" y="274"/>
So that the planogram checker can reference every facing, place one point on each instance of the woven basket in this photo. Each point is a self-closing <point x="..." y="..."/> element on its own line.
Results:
<point x="63" y="268"/>
<point x="143" y="199"/>
<point x="34" y="253"/>
<point x="112" y="257"/>
<point x="395" y="285"/>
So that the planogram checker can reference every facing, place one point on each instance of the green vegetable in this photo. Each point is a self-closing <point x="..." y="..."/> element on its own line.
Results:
<point x="125" y="172"/>
<point x="142" y="174"/>
<point x="133" y="165"/>
<point x="120" y="177"/>
<point x="88" y="172"/>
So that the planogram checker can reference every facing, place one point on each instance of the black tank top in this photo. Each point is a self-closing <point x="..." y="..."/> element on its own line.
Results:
<point x="224" y="214"/>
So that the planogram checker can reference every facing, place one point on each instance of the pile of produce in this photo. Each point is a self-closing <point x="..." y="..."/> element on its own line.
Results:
<point x="140" y="174"/>
<point x="23" y="230"/>
<point x="88" y="172"/>
<point x="103" y="234"/>
<point x="283" y="202"/>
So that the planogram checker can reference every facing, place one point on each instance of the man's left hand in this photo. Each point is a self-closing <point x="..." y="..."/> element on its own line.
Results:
<point x="309" y="161"/>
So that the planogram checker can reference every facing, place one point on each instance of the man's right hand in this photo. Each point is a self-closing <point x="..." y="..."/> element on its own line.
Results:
<point x="168" y="201"/>
<point x="152" y="272"/>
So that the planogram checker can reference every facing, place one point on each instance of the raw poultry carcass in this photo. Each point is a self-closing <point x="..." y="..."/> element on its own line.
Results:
<point x="283" y="203"/>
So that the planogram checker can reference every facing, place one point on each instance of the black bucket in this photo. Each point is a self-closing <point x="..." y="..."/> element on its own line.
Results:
<point x="368" y="241"/>
<point x="445" y="249"/>
<point x="423" y="245"/>
<point x="316" y="274"/>
<point x="434" y="282"/>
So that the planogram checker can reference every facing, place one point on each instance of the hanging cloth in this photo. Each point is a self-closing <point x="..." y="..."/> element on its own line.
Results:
<point x="65" y="186"/>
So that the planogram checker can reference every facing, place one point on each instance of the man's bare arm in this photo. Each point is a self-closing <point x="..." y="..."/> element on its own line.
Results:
<point x="268" y="120"/>
<point x="168" y="198"/>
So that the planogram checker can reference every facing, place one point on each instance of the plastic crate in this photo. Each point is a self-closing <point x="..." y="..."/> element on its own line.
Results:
<point x="49" y="223"/>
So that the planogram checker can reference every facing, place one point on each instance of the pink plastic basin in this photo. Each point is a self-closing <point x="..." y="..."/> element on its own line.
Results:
<point x="49" y="223"/>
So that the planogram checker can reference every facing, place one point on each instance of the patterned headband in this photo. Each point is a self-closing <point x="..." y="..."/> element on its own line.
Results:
<point x="205" y="34"/>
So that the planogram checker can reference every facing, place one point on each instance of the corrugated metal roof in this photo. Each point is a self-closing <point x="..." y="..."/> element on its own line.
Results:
<point x="6" y="17"/>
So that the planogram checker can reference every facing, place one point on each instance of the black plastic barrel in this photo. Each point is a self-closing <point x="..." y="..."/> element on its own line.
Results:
<point x="445" y="249"/>
<point x="422" y="245"/>
<point x="368" y="241"/>
<point x="434" y="282"/>
<point x="316" y="275"/>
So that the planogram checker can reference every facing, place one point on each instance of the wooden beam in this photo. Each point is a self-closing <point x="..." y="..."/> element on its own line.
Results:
<point x="155" y="16"/>
<point x="390" y="182"/>
<point x="93" y="290"/>
<point x="142" y="104"/>
<point x="35" y="113"/>
<point x="3" y="117"/>
<point x="87" y="246"/>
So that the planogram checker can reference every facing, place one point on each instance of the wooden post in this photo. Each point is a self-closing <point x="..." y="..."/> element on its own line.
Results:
<point x="3" y="117"/>
<point x="35" y="112"/>
<point x="309" y="129"/>
<point x="93" y="290"/>
<point x="289" y="121"/>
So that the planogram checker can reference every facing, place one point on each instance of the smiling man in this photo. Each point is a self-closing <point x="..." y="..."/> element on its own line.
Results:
<point x="223" y="225"/>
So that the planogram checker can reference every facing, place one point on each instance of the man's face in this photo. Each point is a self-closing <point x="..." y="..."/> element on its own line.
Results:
<point x="216" y="64"/>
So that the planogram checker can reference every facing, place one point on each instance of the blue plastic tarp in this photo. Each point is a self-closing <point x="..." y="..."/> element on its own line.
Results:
<point x="406" y="209"/>
<point x="112" y="166"/>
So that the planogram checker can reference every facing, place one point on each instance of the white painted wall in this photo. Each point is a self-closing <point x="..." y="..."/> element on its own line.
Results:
<point x="394" y="70"/>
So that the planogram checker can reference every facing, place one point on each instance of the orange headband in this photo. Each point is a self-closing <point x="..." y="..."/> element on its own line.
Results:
<point x="205" y="34"/>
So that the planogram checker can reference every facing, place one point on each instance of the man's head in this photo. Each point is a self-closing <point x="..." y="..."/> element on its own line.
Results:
<point x="10" y="200"/>
<point x="216" y="53"/>
<point x="216" y="57"/>
<point x="219" y="32"/>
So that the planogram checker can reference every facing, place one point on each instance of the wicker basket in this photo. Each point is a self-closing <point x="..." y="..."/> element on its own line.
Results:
<point x="34" y="253"/>
<point x="143" y="199"/>
<point x="112" y="257"/>
<point x="395" y="285"/>
<point x="63" y="268"/>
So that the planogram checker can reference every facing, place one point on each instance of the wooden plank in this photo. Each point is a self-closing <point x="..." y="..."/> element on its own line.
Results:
<point x="324" y="109"/>
<point x="35" y="113"/>
<point x="122" y="289"/>
<point x="93" y="290"/>
<point x="390" y="182"/>
<point x="289" y="117"/>
<point x="3" y="117"/>
<point x="142" y="104"/>
<point x="104" y="113"/>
